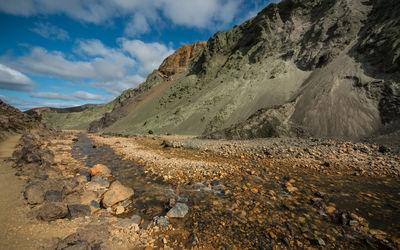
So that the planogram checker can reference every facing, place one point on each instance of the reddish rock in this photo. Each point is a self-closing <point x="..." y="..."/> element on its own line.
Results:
<point x="100" y="169"/>
<point x="116" y="193"/>
<point x="180" y="59"/>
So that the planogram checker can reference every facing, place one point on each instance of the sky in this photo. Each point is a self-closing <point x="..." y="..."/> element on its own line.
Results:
<point x="66" y="53"/>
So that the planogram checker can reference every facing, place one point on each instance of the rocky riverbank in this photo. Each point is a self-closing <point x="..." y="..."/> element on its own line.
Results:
<point x="180" y="192"/>
<point x="277" y="192"/>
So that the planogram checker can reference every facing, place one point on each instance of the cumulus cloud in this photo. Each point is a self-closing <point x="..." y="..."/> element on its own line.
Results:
<point x="103" y="64"/>
<point x="110" y="69"/>
<point x="76" y="96"/>
<point x="150" y="55"/>
<point x="138" y="25"/>
<point x="49" y="31"/>
<point x="142" y="14"/>
<point x="14" y="80"/>
<point x="116" y="87"/>
<point x="201" y="13"/>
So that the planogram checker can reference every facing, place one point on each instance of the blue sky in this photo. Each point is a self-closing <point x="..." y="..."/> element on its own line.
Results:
<point x="71" y="52"/>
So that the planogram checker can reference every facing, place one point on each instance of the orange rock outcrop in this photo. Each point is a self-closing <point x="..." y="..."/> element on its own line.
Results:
<point x="180" y="59"/>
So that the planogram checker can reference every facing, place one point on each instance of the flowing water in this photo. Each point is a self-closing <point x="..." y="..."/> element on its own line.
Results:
<point x="376" y="199"/>
<point x="151" y="193"/>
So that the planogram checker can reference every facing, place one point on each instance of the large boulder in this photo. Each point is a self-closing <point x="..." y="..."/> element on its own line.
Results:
<point x="78" y="210"/>
<point x="34" y="194"/>
<point x="116" y="193"/>
<point x="52" y="211"/>
<point x="53" y="195"/>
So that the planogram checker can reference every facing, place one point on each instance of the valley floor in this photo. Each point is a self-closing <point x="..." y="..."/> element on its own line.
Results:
<point x="275" y="193"/>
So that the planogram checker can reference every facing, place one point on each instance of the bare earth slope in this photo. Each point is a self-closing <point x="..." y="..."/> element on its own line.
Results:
<point x="132" y="100"/>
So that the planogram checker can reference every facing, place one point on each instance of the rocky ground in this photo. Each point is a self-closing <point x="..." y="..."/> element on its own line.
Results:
<point x="181" y="192"/>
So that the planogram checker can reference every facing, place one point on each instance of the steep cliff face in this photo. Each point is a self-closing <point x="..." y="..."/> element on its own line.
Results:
<point x="14" y="121"/>
<point x="180" y="59"/>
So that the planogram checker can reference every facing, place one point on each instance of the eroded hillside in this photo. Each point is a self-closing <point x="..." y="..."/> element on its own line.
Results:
<point x="297" y="68"/>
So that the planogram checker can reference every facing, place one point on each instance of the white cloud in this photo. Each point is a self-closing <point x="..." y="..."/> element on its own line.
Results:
<point x="201" y="13"/>
<point x="142" y="14"/>
<point x="83" y="95"/>
<point x="49" y="31"/>
<point x="76" y="96"/>
<point x="116" y="87"/>
<point x="104" y="64"/>
<point x="137" y="26"/>
<point x="150" y="55"/>
<point x="110" y="69"/>
<point x="14" y="80"/>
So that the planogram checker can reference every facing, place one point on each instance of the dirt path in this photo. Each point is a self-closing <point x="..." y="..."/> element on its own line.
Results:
<point x="11" y="200"/>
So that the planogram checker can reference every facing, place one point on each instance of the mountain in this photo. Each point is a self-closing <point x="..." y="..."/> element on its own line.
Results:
<point x="76" y="118"/>
<point x="12" y="120"/>
<point x="322" y="68"/>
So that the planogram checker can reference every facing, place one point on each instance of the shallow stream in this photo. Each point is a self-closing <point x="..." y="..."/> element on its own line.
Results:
<point x="375" y="199"/>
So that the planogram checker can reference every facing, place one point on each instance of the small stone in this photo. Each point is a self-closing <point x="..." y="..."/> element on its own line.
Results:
<point x="178" y="211"/>
<point x="100" y="169"/>
<point x="161" y="221"/>
<point x="330" y="209"/>
<point x="317" y="202"/>
<point x="320" y="241"/>
<point x="290" y="188"/>
<point x="353" y="223"/>
<point x="119" y="210"/>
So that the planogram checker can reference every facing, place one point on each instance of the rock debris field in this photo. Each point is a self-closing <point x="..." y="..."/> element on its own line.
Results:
<point x="178" y="192"/>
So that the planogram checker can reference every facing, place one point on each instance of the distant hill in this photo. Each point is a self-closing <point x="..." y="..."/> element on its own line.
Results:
<point x="76" y="118"/>
<point x="321" y="68"/>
